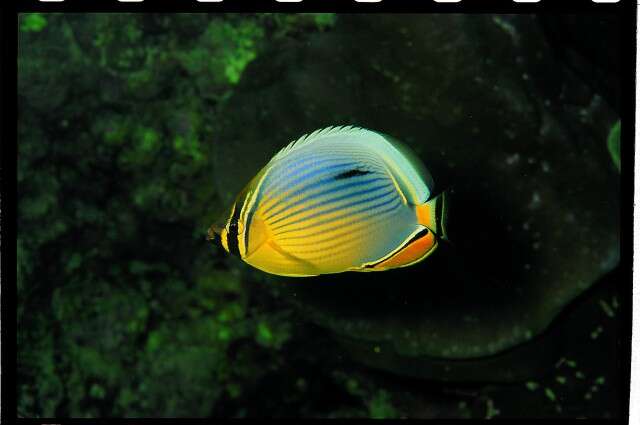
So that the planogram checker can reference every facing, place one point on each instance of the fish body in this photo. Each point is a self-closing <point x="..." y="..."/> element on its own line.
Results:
<point x="339" y="199"/>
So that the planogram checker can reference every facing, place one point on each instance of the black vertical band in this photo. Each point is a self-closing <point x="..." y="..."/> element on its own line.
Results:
<point x="438" y="215"/>
<point x="232" y="233"/>
<point x="441" y="215"/>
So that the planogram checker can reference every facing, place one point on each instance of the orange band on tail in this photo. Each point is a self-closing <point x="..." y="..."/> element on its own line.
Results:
<point x="433" y="215"/>
<point x="426" y="215"/>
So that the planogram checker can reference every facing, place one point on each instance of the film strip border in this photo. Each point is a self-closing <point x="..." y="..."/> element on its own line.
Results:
<point x="505" y="6"/>
<point x="357" y="1"/>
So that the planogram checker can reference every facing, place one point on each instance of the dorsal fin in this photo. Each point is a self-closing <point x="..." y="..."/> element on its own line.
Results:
<point x="410" y="175"/>
<point x="317" y="135"/>
<point x="413" y="159"/>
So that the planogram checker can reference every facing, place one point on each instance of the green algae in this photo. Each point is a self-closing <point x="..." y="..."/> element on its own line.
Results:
<point x="380" y="406"/>
<point x="607" y="308"/>
<point x="491" y="411"/>
<point x="613" y="144"/>
<point x="117" y="288"/>
<point x="532" y="386"/>
<point x="32" y="22"/>
<point x="550" y="394"/>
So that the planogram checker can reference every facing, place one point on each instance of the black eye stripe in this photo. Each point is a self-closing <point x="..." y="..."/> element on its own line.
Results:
<point x="232" y="234"/>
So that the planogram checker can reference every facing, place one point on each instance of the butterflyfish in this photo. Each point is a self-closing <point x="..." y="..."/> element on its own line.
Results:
<point x="338" y="199"/>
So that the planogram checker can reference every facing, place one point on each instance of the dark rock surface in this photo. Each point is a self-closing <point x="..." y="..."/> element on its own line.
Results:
<point x="518" y="137"/>
<point x="589" y="46"/>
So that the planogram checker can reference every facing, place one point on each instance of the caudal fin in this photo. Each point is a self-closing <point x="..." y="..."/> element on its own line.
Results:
<point x="433" y="214"/>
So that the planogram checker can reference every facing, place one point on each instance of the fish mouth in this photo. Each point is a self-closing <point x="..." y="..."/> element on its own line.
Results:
<point x="213" y="233"/>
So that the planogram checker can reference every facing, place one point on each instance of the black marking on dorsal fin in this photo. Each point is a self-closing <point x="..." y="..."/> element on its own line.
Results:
<point x="351" y="173"/>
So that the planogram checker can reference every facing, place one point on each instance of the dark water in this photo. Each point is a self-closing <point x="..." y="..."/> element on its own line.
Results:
<point x="136" y="131"/>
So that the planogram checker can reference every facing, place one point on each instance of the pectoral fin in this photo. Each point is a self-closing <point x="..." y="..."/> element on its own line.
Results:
<point x="274" y="245"/>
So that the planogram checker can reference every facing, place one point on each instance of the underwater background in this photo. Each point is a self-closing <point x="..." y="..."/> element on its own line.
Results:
<point x="135" y="131"/>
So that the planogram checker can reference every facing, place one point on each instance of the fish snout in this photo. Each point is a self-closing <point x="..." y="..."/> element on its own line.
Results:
<point x="213" y="235"/>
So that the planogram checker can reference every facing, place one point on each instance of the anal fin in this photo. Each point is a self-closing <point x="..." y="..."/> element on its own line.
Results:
<point x="416" y="249"/>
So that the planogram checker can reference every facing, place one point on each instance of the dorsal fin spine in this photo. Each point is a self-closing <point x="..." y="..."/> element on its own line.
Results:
<point x="312" y="137"/>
